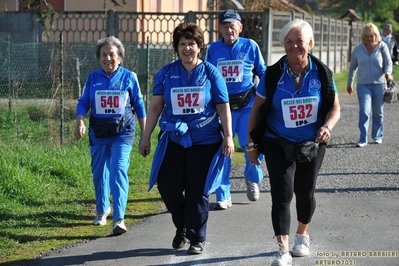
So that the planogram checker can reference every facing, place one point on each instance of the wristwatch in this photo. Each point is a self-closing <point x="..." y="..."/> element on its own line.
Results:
<point x="250" y="145"/>
<point x="328" y="126"/>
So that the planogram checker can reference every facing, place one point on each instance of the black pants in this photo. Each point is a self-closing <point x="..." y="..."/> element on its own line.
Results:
<point x="181" y="182"/>
<point x="287" y="178"/>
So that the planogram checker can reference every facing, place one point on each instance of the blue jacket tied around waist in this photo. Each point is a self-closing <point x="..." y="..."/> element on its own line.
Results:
<point x="178" y="133"/>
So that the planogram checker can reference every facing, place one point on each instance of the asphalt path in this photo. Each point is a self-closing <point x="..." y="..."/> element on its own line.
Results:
<point x="356" y="220"/>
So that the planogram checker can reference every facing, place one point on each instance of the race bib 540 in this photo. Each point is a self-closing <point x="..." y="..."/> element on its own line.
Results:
<point x="110" y="102"/>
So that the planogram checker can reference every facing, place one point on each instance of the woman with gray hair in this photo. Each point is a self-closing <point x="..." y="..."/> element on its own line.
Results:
<point x="295" y="110"/>
<point x="112" y="95"/>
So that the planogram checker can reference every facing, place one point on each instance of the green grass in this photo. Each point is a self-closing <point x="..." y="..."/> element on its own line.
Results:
<point x="46" y="190"/>
<point x="47" y="199"/>
<point x="341" y="79"/>
<point x="395" y="72"/>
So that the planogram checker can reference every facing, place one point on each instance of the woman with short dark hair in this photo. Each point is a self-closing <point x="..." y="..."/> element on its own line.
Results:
<point x="191" y="99"/>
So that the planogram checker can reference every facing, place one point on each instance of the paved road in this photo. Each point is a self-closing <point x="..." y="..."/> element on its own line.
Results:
<point x="356" y="220"/>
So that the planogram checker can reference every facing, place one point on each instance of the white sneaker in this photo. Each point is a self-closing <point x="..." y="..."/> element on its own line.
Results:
<point x="252" y="190"/>
<point x="378" y="141"/>
<point x="119" y="227"/>
<point x="283" y="258"/>
<point x="361" y="144"/>
<point x="301" y="246"/>
<point x="223" y="204"/>
<point x="101" y="218"/>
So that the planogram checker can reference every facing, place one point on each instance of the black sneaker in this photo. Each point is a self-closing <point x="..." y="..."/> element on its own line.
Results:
<point x="180" y="239"/>
<point x="196" y="248"/>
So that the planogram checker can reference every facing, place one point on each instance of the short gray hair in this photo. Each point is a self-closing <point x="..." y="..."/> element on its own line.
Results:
<point x="387" y="26"/>
<point x="301" y="25"/>
<point x="111" y="40"/>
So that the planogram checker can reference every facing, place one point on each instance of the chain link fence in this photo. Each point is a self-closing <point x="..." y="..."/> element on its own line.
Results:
<point x="40" y="83"/>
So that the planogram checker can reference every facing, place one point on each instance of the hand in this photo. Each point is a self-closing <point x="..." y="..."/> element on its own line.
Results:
<point x="144" y="147"/>
<point x="80" y="131"/>
<point x="323" y="135"/>
<point x="228" y="146"/>
<point x="253" y="157"/>
<point x="388" y="77"/>
<point x="350" y="90"/>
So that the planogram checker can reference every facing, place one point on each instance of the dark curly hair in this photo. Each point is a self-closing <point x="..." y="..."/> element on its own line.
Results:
<point x="190" y="31"/>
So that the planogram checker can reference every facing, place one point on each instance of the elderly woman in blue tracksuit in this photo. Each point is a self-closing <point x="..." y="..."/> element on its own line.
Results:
<point x="110" y="94"/>
<point x="191" y="99"/>
<point x="296" y="103"/>
<point x="239" y="60"/>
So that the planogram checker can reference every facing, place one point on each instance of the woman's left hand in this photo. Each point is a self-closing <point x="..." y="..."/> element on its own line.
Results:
<point x="388" y="77"/>
<point x="323" y="135"/>
<point x="253" y="157"/>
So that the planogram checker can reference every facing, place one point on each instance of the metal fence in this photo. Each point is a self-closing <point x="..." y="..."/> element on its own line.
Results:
<point x="40" y="81"/>
<point x="332" y="35"/>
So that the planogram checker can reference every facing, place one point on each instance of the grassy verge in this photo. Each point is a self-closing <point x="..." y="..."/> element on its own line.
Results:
<point x="47" y="195"/>
<point x="395" y="73"/>
<point x="341" y="79"/>
<point x="46" y="192"/>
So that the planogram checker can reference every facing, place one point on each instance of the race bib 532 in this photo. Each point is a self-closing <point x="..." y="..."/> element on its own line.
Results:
<point x="299" y="112"/>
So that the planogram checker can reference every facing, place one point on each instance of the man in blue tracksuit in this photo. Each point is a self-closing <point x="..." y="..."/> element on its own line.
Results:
<point x="240" y="62"/>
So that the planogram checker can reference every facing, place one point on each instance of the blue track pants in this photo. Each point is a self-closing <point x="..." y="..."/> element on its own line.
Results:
<point x="252" y="172"/>
<point x="109" y="165"/>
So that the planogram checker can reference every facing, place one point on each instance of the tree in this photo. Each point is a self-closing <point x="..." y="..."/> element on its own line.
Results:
<point x="384" y="10"/>
<point x="262" y="4"/>
<point x="367" y="9"/>
<point x="311" y="6"/>
<point x="45" y="10"/>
